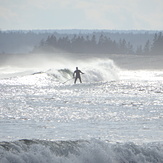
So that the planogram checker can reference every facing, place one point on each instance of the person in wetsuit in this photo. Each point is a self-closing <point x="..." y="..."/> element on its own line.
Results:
<point x="76" y="75"/>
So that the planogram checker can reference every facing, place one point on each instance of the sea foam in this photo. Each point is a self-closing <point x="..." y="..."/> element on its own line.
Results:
<point x="93" y="151"/>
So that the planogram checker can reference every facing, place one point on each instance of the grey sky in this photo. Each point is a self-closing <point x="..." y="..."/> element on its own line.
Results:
<point x="81" y="14"/>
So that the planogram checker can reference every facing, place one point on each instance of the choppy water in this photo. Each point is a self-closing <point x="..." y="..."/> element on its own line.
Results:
<point x="113" y="116"/>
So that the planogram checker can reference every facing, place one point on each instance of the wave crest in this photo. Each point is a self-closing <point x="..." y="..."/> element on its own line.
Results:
<point x="93" y="151"/>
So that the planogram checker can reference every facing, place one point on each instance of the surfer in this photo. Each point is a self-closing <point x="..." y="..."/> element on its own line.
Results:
<point x="76" y="75"/>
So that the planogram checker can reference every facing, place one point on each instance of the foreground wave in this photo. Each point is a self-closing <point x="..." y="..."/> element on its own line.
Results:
<point x="93" y="151"/>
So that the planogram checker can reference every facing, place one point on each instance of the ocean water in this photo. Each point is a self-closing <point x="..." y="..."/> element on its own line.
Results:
<point x="114" y="116"/>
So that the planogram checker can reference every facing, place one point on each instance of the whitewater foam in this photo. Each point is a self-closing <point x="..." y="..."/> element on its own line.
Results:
<point x="94" y="71"/>
<point x="93" y="151"/>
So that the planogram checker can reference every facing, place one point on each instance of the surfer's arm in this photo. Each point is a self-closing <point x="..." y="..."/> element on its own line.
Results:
<point x="81" y="72"/>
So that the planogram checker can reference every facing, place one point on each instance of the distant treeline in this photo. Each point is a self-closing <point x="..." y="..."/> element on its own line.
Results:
<point x="81" y="41"/>
<point x="157" y="46"/>
<point x="19" y="41"/>
<point x="99" y="45"/>
<point x="81" y="44"/>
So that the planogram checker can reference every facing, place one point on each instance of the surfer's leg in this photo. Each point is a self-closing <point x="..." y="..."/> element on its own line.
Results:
<point x="80" y="79"/>
<point x="75" y="81"/>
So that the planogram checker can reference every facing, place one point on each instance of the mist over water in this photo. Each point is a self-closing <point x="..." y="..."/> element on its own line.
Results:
<point x="95" y="69"/>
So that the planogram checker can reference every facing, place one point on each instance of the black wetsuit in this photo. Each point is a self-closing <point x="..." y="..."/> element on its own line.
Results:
<point x="77" y="76"/>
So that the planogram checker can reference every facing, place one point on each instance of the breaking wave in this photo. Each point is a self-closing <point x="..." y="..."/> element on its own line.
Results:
<point x="94" y="71"/>
<point x="93" y="151"/>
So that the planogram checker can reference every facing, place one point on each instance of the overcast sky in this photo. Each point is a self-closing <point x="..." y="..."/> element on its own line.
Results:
<point x="81" y="14"/>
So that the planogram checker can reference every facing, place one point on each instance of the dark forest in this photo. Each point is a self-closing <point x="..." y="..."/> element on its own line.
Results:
<point x="93" y="42"/>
